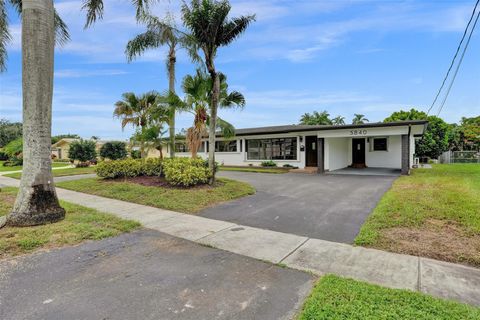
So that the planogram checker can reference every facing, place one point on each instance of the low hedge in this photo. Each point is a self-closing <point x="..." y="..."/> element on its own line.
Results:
<point x="186" y="172"/>
<point x="129" y="168"/>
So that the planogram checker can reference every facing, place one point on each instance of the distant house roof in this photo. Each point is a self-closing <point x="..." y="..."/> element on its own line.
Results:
<point x="301" y="128"/>
<point x="70" y="140"/>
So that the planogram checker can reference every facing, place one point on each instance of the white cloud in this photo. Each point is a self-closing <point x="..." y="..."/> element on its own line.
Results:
<point x="82" y="73"/>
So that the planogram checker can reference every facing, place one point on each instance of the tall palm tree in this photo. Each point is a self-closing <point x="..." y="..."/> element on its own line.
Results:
<point x="316" y="118"/>
<point x="359" y="119"/>
<point x="163" y="33"/>
<point x="37" y="201"/>
<point x="211" y="29"/>
<point x="137" y="111"/>
<point x="338" y="121"/>
<point x="198" y="91"/>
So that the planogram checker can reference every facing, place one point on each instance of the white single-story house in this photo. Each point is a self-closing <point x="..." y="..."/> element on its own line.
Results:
<point x="61" y="147"/>
<point x="326" y="147"/>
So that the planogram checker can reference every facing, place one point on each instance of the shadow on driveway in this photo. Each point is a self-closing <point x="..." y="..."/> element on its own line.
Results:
<point x="328" y="207"/>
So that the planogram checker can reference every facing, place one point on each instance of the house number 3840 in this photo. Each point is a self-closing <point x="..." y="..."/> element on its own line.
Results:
<point x="358" y="132"/>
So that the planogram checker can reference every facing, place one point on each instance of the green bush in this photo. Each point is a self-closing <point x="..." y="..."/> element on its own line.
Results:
<point x="82" y="150"/>
<point x="129" y="168"/>
<point x="135" y="154"/>
<point x="268" y="163"/>
<point x="14" y="148"/>
<point x="186" y="172"/>
<point x="3" y="156"/>
<point x="113" y="150"/>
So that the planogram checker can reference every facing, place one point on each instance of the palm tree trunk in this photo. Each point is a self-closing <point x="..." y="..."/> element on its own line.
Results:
<point x="213" y="122"/>
<point x="37" y="201"/>
<point x="171" y="87"/>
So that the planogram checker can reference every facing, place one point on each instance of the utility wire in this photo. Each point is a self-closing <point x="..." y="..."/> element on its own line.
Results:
<point x="459" y="64"/>
<point x="454" y="57"/>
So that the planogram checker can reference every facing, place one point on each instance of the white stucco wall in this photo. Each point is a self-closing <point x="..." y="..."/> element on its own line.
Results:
<point x="336" y="153"/>
<point x="385" y="159"/>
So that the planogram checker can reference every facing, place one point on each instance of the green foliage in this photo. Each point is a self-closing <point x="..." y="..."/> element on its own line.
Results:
<point x="82" y="150"/>
<point x="3" y="156"/>
<point x="129" y="168"/>
<point x="359" y="119"/>
<point x="59" y="137"/>
<point x="186" y="172"/>
<point x="14" y="148"/>
<point x="435" y="139"/>
<point x="316" y="118"/>
<point x="339" y="298"/>
<point x="9" y="131"/>
<point x="113" y="150"/>
<point x="268" y="163"/>
<point x="135" y="154"/>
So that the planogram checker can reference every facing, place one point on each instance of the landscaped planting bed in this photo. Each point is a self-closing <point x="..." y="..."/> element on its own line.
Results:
<point x="80" y="224"/>
<point x="432" y="213"/>
<point x="339" y="298"/>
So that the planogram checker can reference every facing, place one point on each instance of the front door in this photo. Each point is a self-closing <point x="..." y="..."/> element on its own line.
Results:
<point x="358" y="153"/>
<point x="311" y="151"/>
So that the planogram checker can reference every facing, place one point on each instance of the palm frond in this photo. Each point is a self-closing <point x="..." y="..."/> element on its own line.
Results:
<point x="62" y="36"/>
<point x="140" y="44"/>
<point x="233" y="99"/>
<point x="5" y="36"/>
<point x="226" y="128"/>
<point x="232" y="29"/>
<point x="95" y="9"/>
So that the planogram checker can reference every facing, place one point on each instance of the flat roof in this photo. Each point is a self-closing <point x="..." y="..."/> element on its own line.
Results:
<point x="301" y="128"/>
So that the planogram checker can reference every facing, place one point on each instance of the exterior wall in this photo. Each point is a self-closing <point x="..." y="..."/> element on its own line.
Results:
<point x="385" y="159"/>
<point x="336" y="153"/>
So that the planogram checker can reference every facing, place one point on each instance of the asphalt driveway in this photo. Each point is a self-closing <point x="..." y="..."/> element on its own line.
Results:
<point x="328" y="207"/>
<point x="147" y="275"/>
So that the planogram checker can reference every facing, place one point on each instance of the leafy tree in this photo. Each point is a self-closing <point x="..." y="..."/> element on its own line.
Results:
<point x="316" y="118"/>
<point x="338" y="121"/>
<point x="137" y="111"/>
<point x="9" y="131"/>
<point x="470" y="133"/>
<point x="359" y="119"/>
<point x="163" y="33"/>
<point x="114" y="150"/>
<point x="435" y="139"/>
<point x="14" y="148"/>
<point x="82" y="150"/>
<point x="59" y="137"/>
<point x="211" y="29"/>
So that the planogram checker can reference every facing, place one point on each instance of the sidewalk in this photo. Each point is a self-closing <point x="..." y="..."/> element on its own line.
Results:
<point x="441" y="279"/>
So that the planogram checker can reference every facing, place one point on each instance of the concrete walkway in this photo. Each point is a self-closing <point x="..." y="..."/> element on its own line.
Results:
<point x="441" y="279"/>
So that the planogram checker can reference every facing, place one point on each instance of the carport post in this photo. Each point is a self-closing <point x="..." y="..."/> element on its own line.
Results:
<point x="405" y="154"/>
<point x="321" y="155"/>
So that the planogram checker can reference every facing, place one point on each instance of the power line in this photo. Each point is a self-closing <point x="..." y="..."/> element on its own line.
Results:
<point x="454" y="57"/>
<point x="459" y="64"/>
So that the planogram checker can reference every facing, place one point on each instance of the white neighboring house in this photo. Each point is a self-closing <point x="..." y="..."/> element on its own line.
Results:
<point x="328" y="148"/>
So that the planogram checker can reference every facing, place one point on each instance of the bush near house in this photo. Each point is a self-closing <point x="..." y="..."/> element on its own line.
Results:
<point x="268" y="163"/>
<point x="13" y="150"/>
<point x="186" y="172"/>
<point x="129" y="168"/>
<point x="82" y="151"/>
<point x="114" y="150"/>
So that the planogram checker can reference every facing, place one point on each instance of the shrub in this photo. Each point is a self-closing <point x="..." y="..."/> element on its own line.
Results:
<point x="3" y="156"/>
<point x="129" y="168"/>
<point x="268" y="163"/>
<point x="186" y="172"/>
<point x="135" y="154"/>
<point x="14" y="148"/>
<point x="113" y="150"/>
<point x="82" y="150"/>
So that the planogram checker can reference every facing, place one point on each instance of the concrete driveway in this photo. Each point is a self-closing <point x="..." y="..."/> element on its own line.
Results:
<point x="147" y="275"/>
<point x="328" y="207"/>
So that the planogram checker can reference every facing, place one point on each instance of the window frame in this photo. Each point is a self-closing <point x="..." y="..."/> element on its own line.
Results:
<point x="230" y="143"/>
<point x="372" y="144"/>
<point x="271" y="145"/>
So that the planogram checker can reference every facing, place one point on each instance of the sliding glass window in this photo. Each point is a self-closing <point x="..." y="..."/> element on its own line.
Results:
<point x="272" y="149"/>
<point x="226" y="146"/>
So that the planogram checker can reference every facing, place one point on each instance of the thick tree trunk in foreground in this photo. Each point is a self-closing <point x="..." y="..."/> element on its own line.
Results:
<point x="171" y="87"/>
<point x="37" y="201"/>
<point x="213" y="122"/>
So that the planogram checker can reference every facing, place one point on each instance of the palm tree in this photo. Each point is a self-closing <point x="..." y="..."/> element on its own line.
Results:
<point x="163" y="33"/>
<point x="37" y="202"/>
<point x="359" y="119"/>
<point x="137" y="111"/>
<point x="316" y="118"/>
<point x="338" y="121"/>
<point x="211" y="29"/>
<point x="198" y="91"/>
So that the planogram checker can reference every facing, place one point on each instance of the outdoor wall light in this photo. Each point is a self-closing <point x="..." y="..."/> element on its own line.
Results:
<point x="301" y="139"/>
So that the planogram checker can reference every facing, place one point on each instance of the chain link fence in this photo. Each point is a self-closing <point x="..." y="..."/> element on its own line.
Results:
<point x="460" y="157"/>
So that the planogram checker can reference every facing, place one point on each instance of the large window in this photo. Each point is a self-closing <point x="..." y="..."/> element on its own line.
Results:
<point x="380" y="144"/>
<point x="181" y="147"/>
<point x="272" y="149"/>
<point x="226" y="146"/>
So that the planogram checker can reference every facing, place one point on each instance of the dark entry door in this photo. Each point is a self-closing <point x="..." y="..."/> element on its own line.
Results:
<point x="311" y="151"/>
<point x="358" y="153"/>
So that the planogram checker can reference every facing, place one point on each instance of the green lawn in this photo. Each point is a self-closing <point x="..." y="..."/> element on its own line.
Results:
<point x="16" y="168"/>
<point x="80" y="224"/>
<point x="188" y="200"/>
<point x="60" y="173"/>
<point x="255" y="169"/>
<point x="339" y="298"/>
<point x="433" y="212"/>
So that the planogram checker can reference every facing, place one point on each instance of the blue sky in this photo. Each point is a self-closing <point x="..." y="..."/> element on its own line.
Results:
<point x="346" y="57"/>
